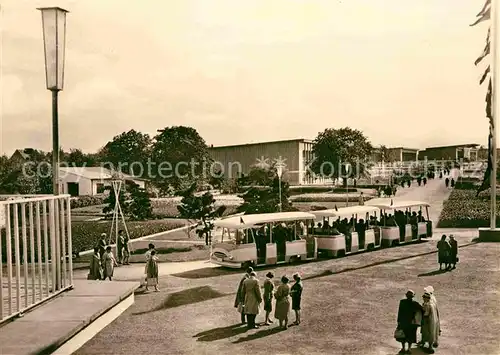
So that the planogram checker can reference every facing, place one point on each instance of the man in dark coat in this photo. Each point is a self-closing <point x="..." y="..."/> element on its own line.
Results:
<point x="409" y="317"/>
<point x="240" y="295"/>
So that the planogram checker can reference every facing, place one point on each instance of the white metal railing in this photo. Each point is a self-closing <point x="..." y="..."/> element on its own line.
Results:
<point x="35" y="252"/>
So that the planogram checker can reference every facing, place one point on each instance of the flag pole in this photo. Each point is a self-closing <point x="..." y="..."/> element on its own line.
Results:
<point x="495" y="110"/>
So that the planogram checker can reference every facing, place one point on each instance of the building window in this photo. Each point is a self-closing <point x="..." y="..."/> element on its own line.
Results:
<point x="100" y="188"/>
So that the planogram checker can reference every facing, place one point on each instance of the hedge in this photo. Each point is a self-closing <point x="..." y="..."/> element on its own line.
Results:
<point x="85" y="235"/>
<point x="85" y="201"/>
<point x="464" y="210"/>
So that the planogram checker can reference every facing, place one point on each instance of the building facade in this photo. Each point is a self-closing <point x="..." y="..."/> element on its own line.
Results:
<point x="452" y="152"/>
<point x="90" y="181"/>
<point x="295" y="155"/>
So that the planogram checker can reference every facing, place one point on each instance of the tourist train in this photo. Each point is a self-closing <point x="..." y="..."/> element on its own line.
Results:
<point x="286" y="237"/>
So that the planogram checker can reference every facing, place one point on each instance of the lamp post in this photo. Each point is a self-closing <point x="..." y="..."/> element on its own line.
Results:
<point x="54" y="39"/>
<point x="279" y="172"/>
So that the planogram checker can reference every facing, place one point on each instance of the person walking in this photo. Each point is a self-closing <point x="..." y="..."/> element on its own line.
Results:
<point x="109" y="264"/>
<point x="239" y="301"/>
<point x="446" y="182"/>
<point x="95" y="268"/>
<point x="102" y="247"/>
<point x="452" y="183"/>
<point x="361" y="199"/>
<point x="126" y="251"/>
<point x="296" y="293"/>
<point x="430" y="328"/>
<point x="268" y="297"/>
<point x="152" y="271"/>
<point x="424" y="180"/>
<point x="444" y="250"/>
<point x="409" y="315"/>
<point x="119" y="246"/>
<point x="253" y="299"/>
<point x="453" y="252"/>
<point x="282" y="296"/>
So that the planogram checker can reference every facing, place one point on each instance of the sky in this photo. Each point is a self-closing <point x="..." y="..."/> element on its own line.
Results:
<point x="242" y="71"/>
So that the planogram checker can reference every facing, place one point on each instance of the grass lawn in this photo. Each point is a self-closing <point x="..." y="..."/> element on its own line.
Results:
<point x="464" y="210"/>
<point x="87" y="234"/>
<point x="350" y="310"/>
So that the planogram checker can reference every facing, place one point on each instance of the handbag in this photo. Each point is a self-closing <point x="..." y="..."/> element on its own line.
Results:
<point x="399" y="334"/>
<point x="240" y="307"/>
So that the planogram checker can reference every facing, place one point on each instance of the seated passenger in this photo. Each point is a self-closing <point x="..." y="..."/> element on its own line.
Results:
<point x="390" y="221"/>
<point x="420" y="217"/>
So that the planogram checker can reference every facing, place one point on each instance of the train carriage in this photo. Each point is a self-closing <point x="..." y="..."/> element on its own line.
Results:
<point x="264" y="239"/>
<point x="406" y="231"/>
<point x="336" y="244"/>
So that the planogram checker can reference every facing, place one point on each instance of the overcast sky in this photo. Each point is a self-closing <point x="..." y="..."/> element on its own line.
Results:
<point x="243" y="71"/>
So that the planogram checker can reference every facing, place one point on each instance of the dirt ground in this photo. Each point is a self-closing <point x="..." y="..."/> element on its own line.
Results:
<point x="349" y="307"/>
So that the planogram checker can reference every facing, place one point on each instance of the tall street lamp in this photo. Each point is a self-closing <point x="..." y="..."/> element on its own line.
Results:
<point x="54" y="39"/>
<point x="279" y="172"/>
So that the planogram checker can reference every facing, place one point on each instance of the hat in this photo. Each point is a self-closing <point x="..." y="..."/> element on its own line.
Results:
<point x="429" y="289"/>
<point x="410" y="293"/>
<point x="451" y="236"/>
<point x="427" y="295"/>
<point x="270" y="275"/>
<point x="249" y="270"/>
<point x="253" y="273"/>
<point x="103" y="234"/>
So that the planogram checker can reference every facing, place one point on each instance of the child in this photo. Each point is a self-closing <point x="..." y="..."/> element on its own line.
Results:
<point x="109" y="263"/>
<point x="152" y="271"/>
<point x="95" y="272"/>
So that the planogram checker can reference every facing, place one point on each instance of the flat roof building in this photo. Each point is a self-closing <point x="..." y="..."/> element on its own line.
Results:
<point x="451" y="152"/>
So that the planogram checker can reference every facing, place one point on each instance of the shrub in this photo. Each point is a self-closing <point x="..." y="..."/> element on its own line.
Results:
<point x="464" y="210"/>
<point x="163" y="251"/>
<point x="85" y="201"/>
<point x="325" y="197"/>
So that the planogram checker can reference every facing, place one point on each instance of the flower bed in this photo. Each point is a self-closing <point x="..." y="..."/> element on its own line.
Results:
<point x="167" y="207"/>
<point x="464" y="210"/>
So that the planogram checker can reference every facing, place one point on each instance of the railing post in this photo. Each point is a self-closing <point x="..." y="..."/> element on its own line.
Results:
<point x="32" y="253"/>
<point x="62" y="221"/>
<point x="17" y="256"/>
<point x="53" y="247"/>
<point x="9" y="255"/>
<point x="70" y="241"/>
<point x="25" y="253"/>
<point x="39" y="249"/>
<point x="58" y="244"/>
<point x="2" y="206"/>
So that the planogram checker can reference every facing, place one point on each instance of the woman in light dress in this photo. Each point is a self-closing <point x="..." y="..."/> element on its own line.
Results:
<point x="430" y="324"/>
<point x="152" y="271"/>
<point x="282" y="296"/>
<point x="109" y="264"/>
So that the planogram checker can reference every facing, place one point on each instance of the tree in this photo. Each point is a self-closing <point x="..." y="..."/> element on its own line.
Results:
<point x="77" y="158"/>
<point x="333" y="148"/>
<point x="387" y="155"/>
<point x="139" y="207"/>
<point x="127" y="150"/>
<point x="264" y="194"/>
<point x="181" y="158"/>
<point x="202" y="208"/>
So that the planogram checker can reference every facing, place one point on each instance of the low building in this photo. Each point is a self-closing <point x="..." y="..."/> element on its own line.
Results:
<point x="294" y="154"/>
<point x="396" y="154"/>
<point x="90" y="181"/>
<point x="451" y="152"/>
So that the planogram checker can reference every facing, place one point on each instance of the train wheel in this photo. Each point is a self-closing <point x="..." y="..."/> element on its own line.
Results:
<point x="394" y="243"/>
<point x="370" y="247"/>
<point x="341" y="254"/>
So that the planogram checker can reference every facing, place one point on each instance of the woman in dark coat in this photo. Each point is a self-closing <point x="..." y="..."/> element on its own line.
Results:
<point x="444" y="251"/>
<point x="239" y="301"/>
<point x="296" y="293"/>
<point x="409" y="316"/>
<point x="453" y="252"/>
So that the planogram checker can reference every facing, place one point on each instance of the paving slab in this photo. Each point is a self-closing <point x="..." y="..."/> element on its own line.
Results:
<point x="53" y="323"/>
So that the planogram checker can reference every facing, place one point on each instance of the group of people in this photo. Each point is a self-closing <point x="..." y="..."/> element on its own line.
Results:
<point x="249" y="299"/>
<point x="447" y="253"/>
<point x="412" y="315"/>
<point x="103" y="262"/>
